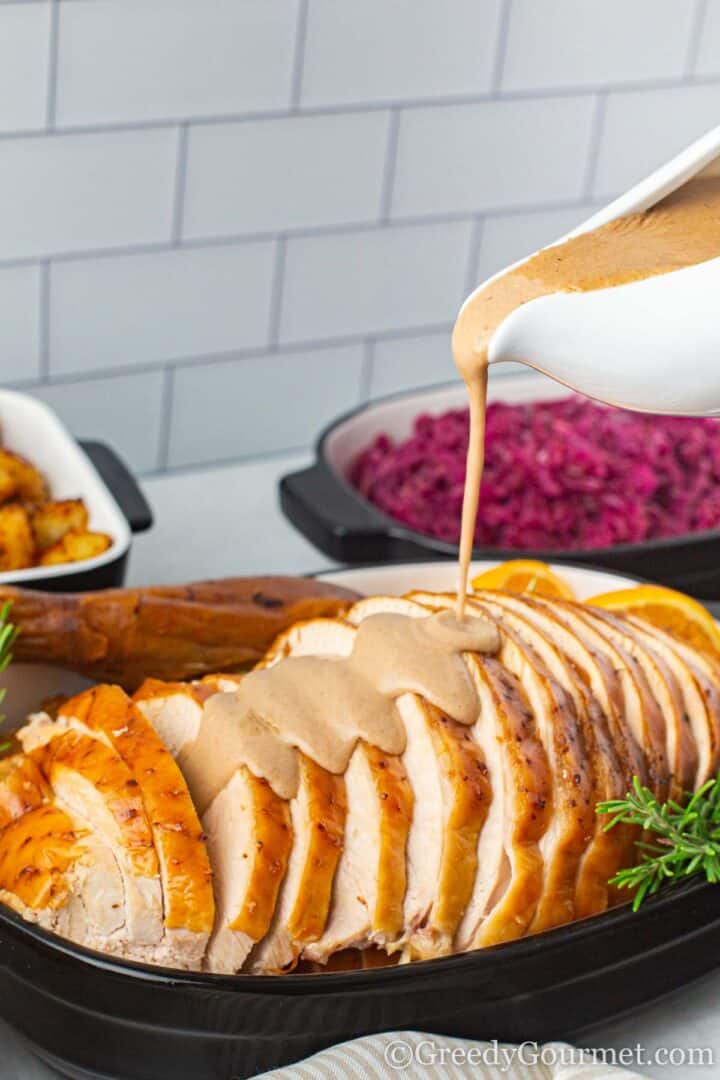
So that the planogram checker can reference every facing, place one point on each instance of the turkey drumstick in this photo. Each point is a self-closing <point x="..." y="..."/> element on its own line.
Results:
<point x="169" y="632"/>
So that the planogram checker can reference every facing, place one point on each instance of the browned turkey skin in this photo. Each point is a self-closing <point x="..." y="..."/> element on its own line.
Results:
<point x="478" y="830"/>
<point x="167" y="632"/>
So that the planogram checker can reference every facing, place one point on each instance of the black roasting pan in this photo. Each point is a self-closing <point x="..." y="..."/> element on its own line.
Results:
<point x="88" y="1015"/>
<point x="323" y="506"/>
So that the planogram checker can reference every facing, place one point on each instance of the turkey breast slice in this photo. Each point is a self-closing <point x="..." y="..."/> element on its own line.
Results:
<point x="453" y="800"/>
<point x="22" y="788"/>
<point x="248" y="828"/>
<point x="509" y="881"/>
<point x="249" y="837"/>
<point x="318" y="815"/>
<point x="57" y="874"/>
<point x="665" y="685"/>
<point x="633" y="699"/>
<point x="466" y="799"/>
<point x="669" y="751"/>
<point x="370" y="882"/>
<point x="94" y="784"/>
<point x="372" y="820"/>
<point x="699" y="679"/>
<point x="51" y="869"/>
<point x="564" y="843"/>
<point x="425" y="831"/>
<point x="368" y="885"/>
<point x="607" y="851"/>
<point x="697" y="693"/>
<point x="188" y="903"/>
<point x="312" y="637"/>
<point x="643" y="711"/>
<point x="175" y="709"/>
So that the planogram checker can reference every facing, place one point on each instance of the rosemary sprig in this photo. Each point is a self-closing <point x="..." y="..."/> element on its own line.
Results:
<point x="8" y="635"/>
<point x="688" y="837"/>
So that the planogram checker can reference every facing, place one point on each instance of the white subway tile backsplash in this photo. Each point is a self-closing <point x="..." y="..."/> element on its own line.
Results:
<point x="257" y="173"/>
<point x="124" y="411"/>
<point x="493" y="155"/>
<point x="376" y="51"/>
<point x="559" y="43"/>
<point x="24" y="63"/>
<point x="407" y="363"/>
<point x="708" y="56"/>
<point x="140" y="309"/>
<point x="237" y="174"/>
<point x="261" y="404"/>
<point x="509" y="237"/>
<point x="80" y="192"/>
<point x="19" y="323"/>
<point x="642" y="129"/>
<point x="372" y="281"/>
<point x="149" y="59"/>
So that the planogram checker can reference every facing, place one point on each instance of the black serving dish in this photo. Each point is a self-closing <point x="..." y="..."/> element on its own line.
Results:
<point x="325" y="508"/>
<point x="91" y="1016"/>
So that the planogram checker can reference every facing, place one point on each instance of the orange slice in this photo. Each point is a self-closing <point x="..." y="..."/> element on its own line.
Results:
<point x="524" y="576"/>
<point x="680" y="615"/>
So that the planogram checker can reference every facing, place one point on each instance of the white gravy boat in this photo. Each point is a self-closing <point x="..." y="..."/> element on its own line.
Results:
<point x="651" y="345"/>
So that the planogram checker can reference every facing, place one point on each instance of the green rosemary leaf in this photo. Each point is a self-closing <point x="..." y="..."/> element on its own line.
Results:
<point x="684" y="837"/>
<point x="8" y="635"/>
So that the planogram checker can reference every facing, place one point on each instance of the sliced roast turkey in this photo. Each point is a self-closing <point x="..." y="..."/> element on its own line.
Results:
<point x="188" y="903"/>
<point x="318" y="814"/>
<point x="606" y="851"/>
<point x="564" y="843"/>
<point x="453" y="798"/>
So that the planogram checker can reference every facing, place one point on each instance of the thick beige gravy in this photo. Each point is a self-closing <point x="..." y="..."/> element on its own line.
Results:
<point x="681" y="230"/>
<point x="321" y="706"/>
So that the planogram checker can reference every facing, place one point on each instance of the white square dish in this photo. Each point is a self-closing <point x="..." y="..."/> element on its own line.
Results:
<point x="30" y="428"/>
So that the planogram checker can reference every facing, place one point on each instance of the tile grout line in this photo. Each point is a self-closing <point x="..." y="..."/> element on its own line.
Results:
<point x="501" y="47"/>
<point x="168" y="392"/>
<point x="473" y="257"/>
<point x="307" y="232"/>
<point x="52" y="73"/>
<point x="256" y="352"/>
<point x="276" y="292"/>
<point x="390" y="167"/>
<point x="180" y="185"/>
<point x="44" y="321"/>
<point x="696" y="33"/>
<point x="546" y="93"/>
<point x="298" y="62"/>
<point x="367" y="370"/>
<point x="255" y="457"/>
<point x="597" y="129"/>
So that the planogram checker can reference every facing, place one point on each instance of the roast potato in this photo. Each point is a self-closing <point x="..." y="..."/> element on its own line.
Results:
<point x="52" y="520"/>
<point x="17" y="544"/>
<point x="38" y="531"/>
<point x="20" y="480"/>
<point x="75" y="547"/>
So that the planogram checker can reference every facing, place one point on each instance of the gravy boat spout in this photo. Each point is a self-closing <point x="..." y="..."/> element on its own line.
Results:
<point x="653" y="344"/>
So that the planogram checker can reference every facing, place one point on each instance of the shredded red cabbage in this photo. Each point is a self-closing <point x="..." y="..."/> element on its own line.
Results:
<point x="558" y="474"/>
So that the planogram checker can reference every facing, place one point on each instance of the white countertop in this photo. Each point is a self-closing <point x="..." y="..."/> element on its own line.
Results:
<point x="226" y="521"/>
